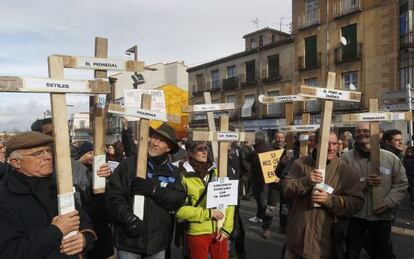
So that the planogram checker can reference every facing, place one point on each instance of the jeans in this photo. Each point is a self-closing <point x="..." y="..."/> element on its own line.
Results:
<point x="377" y="234"/>
<point x="129" y="255"/>
<point x="260" y="197"/>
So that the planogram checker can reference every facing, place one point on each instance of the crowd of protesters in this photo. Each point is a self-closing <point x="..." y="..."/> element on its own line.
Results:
<point x="329" y="215"/>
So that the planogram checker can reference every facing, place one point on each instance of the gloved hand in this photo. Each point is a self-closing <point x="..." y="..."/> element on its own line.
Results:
<point x="140" y="186"/>
<point x="135" y="227"/>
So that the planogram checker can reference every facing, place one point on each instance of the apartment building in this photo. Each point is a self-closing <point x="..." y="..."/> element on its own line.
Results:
<point x="264" y="67"/>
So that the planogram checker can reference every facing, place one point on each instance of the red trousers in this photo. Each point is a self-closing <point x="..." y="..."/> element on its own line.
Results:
<point x="200" y="246"/>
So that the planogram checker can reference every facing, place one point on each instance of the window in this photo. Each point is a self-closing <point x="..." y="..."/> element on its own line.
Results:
<point x="350" y="81"/>
<point x="215" y="101"/>
<point x="273" y="38"/>
<point x="261" y="41"/>
<point x="274" y="108"/>
<point x="311" y="55"/>
<point x="82" y="124"/>
<point x="251" y="71"/>
<point x="350" y="34"/>
<point x="247" y="109"/>
<point x="253" y="43"/>
<point x="406" y="69"/>
<point x="200" y="82"/>
<point x="312" y="81"/>
<point x="273" y="67"/>
<point x="231" y="71"/>
<point x="311" y="11"/>
<point x="231" y="99"/>
<point x="215" y="82"/>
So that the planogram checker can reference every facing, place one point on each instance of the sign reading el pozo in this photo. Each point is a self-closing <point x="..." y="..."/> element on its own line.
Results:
<point x="268" y="162"/>
<point x="222" y="193"/>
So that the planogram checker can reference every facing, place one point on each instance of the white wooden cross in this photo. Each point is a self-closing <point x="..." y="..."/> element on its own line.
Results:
<point x="327" y="94"/>
<point x="223" y="137"/>
<point x="288" y="100"/>
<point x="144" y="114"/>
<point x="209" y="108"/>
<point x="57" y="86"/>
<point x="374" y="117"/>
<point x="100" y="64"/>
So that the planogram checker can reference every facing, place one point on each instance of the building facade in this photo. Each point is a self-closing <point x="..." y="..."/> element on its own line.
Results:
<point x="264" y="67"/>
<point x="357" y="39"/>
<point x="79" y="129"/>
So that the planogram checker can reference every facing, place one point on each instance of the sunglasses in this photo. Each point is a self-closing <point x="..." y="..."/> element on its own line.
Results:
<point x="201" y="149"/>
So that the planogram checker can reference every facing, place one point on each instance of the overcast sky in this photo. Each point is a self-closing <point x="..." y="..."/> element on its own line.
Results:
<point x="193" y="31"/>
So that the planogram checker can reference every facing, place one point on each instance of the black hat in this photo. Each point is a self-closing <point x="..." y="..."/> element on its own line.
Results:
<point x="167" y="132"/>
<point x="27" y="140"/>
<point x="37" y="125"/>
<point x="85" y="148"/>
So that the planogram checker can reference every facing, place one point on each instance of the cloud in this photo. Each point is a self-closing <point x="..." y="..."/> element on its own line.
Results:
<point x="165" y="31"/>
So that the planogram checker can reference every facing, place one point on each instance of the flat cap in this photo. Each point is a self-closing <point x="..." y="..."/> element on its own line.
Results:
<point x="27" y="140"/>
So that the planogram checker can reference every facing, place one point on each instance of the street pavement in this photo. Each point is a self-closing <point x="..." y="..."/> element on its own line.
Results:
<point x="259" y="248"/>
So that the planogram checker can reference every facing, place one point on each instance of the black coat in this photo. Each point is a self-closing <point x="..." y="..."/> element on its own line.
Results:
<point x="25" y="229"/>
<point x="158" y="209"/>
<point x="256" y="169"/>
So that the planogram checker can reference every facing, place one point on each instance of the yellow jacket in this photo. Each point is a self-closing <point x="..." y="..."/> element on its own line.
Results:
<point x="199" y="218"/>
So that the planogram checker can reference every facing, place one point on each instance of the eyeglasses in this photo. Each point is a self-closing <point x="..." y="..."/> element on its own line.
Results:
<point x="333" y="143"/>
<point x="41" y="153"/>
<point x="201" y="149"/>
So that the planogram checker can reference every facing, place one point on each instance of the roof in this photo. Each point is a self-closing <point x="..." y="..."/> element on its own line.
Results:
<point x="266" y="29"/>
<point x="243" y="54"/>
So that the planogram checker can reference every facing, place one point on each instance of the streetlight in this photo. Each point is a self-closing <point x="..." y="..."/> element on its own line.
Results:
<point x="133" y="49"/>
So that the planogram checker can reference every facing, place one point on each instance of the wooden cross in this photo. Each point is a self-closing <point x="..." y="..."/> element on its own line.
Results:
<point x="57" y="87"/>
<point x="374" y="117"/>
<point x="100" y="64"/>
<point x="209" y="108"/>
<point x="327" y="94"/>
<point x="223" y="137"/>
<point x="288" y="100"/>
<point x="145" y="114"/>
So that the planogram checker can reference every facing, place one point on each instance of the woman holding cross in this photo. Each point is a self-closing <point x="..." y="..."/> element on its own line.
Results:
<point x="203" y="235"/>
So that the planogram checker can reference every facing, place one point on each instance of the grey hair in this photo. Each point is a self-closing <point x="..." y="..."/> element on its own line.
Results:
<point x="259" y="136"/>
<point x="15" y="155"/>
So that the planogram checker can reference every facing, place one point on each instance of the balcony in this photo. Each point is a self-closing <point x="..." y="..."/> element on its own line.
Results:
<point x="346" y="54"/>
<point x="198" y="89"/>
<point x="213" y="86"/>
<point x="310" y="62"/>
<point x="345" y="7"/>
<point x="230" y="83"/>
<point x="248" y="80"/>
<point x="312" y="106"/>
<point x="273" y="110"/>
<point x="306" y="21"/>
<point x="270" y="77"/>
<point x="346" y="106"/>
<point x="407" y="40"/>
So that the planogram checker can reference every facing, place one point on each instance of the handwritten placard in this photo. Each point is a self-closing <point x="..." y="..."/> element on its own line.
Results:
<point x="268" y="162"/>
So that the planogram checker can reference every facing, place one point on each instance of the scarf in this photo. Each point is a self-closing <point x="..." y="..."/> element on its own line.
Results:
<point x="200" y="168"/>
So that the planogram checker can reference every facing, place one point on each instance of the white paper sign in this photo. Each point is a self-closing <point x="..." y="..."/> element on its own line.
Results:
<point x="132" y="99"/>
<point x="112" y="165"/>
<point x="331" y="94"/>
<point x="66" y="204"/>
<point x="145" y="114"/>
<point x="139" y="201"/>
<point x="227" y="136"/>
<point x="282" y="99"/>
<point x="377" y="116"/>
<point x="32" y="84"/>
<point x="299" y="128"/>
<point x="100" y="64"/>
<point x="97" y="181"/>
<point x="206" y="107"/>
<point x="222" y="193"/>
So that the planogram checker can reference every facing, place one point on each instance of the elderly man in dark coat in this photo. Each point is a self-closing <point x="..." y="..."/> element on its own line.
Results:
<point x="29" y="222"/>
